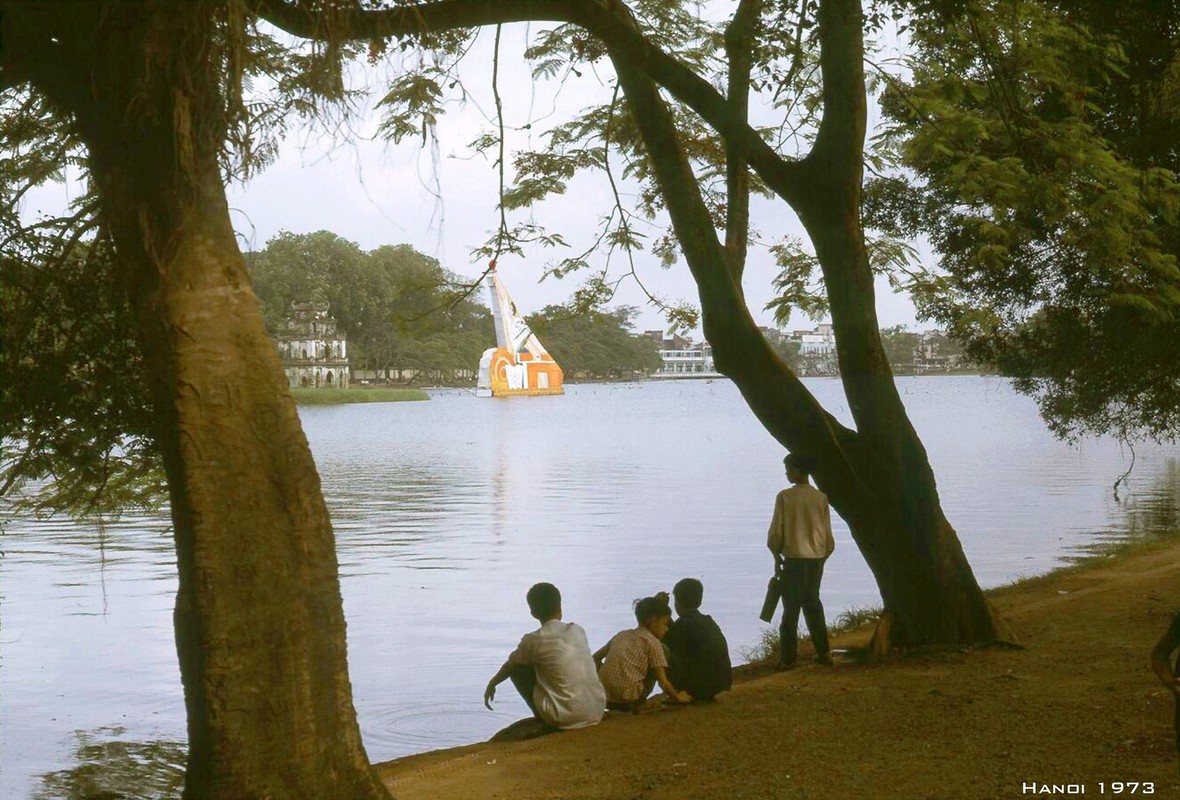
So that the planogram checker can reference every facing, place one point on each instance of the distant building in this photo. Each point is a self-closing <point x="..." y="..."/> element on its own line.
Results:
<point x="817" y="349"/>
<point x="819" y="343"/>
<point x="681" y="358"/>
<point x="668" y="341"/>
<point x="933" y="351"/>
<point x="314" y="355"/>
<point x="936" y="352"/>
<point x="773" y="335"/>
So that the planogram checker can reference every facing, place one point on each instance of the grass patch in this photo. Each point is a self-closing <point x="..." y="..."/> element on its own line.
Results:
<point x="855" y="618"/>
<point x="333" y="397"/>
<point x="763" y="651"/>
<point x="766" y="649"/>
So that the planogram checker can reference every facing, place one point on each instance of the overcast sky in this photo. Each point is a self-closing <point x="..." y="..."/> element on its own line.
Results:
<point x="442" y="200"/>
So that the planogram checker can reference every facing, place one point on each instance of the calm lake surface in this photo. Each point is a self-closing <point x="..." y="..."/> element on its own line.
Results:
<point x="447" y="511"/>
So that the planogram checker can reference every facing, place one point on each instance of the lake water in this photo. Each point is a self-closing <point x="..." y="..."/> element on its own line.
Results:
<point x="447" y="511"/>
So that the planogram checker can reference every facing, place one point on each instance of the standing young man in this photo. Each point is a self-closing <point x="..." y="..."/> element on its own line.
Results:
<point x="800" y="538"/>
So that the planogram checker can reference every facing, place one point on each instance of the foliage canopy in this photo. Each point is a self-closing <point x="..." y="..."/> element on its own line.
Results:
<point x="1038" y="141"/>
<point x="399" y="308"/>
<point x="598" y="343"/>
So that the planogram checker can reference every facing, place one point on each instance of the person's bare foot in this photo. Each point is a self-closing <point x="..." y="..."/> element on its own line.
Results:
<point x="651" y="704"/>
<point x="522" y="729"/>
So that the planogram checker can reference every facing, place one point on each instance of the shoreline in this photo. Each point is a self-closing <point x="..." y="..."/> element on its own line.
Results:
<point x="658" y="378"/>
<point x="1067" y="620"/>
<point x="340" y="397"/>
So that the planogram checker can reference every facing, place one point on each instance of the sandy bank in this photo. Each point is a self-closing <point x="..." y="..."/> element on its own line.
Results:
<point x="1078" y="706"/>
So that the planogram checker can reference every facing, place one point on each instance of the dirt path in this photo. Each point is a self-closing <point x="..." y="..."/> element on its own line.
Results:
<point x="1079" y="706"/>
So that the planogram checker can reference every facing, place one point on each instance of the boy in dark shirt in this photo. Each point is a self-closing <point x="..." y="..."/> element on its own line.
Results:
<point x="699" y="661"/>
<point x="1168" y="674"/>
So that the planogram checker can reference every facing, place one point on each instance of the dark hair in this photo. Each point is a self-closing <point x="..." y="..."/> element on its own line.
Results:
<point x="688" y="593"/>
<point x="650" y="608"/>
<point x="544" y="600"/>
<point x="799" y="463"/>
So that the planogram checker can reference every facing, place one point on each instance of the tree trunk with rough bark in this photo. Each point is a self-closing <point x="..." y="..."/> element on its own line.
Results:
<point x="877" y="476"/>
<point x="259" y="620"/>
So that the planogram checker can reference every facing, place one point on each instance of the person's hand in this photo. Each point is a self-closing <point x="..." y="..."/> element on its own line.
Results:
<point x="489" y="694"/>
<point x="682" y="697"/>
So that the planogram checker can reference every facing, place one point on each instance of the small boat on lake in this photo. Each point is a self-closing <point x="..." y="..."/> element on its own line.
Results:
<point x="518" y="365"/>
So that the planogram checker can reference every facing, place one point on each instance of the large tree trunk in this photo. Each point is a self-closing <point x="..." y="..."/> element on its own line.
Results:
<point x="259" y="620"/>
<point x="932" y="591"/>
<point x="878" y="477"/>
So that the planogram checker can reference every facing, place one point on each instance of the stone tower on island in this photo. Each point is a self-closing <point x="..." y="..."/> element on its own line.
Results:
<point x="314" y="354"/>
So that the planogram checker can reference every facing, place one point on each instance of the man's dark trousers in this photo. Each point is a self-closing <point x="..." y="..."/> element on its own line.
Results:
<point x="800" y="581"/>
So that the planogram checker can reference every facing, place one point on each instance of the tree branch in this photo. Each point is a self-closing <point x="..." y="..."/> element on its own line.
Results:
<point x="739" y="38"/>
<point x="502" y="233"/>
<point x="839" y="144"/>
<point x="609" y="21"/>
<point x="797" y="56"/>
<point x="37" y="43"/>
<point x="10" y="73"/>
<point x="624" y="225"/>
<point x="774" y="393"/>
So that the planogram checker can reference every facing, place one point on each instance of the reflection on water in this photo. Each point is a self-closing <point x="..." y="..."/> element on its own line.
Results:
<point x="1153" y="513"/>
<point x="110" y="767"/>
<point x="447" y="511"/>
<point x="420" y="721"/>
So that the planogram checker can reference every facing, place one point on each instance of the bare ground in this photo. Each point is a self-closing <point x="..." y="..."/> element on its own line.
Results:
<point x="1078" y="706"/>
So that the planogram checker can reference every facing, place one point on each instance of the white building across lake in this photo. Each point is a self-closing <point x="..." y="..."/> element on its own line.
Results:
<point x="682" y="358"/>
<point x="818" y="343"/>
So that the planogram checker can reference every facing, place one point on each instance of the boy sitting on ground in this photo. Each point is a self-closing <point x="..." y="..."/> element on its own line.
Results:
<point x="552" y="667"/>
<point x="699" y="662"/>
<point x="635" y="660"/>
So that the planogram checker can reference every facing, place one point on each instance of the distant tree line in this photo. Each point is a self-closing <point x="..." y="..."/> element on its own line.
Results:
<point x="399" y="309"/>
<point x="599" y="343"/>
<point x="405" y="315"/>
<point x="909" y="351"/>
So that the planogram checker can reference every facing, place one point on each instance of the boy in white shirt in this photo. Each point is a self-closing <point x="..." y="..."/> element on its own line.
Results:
<point x="800" y="538"/>
<point x="552" y="668"/>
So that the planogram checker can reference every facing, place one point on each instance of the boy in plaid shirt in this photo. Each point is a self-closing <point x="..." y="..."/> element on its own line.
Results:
<point x="635" y="659"/>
